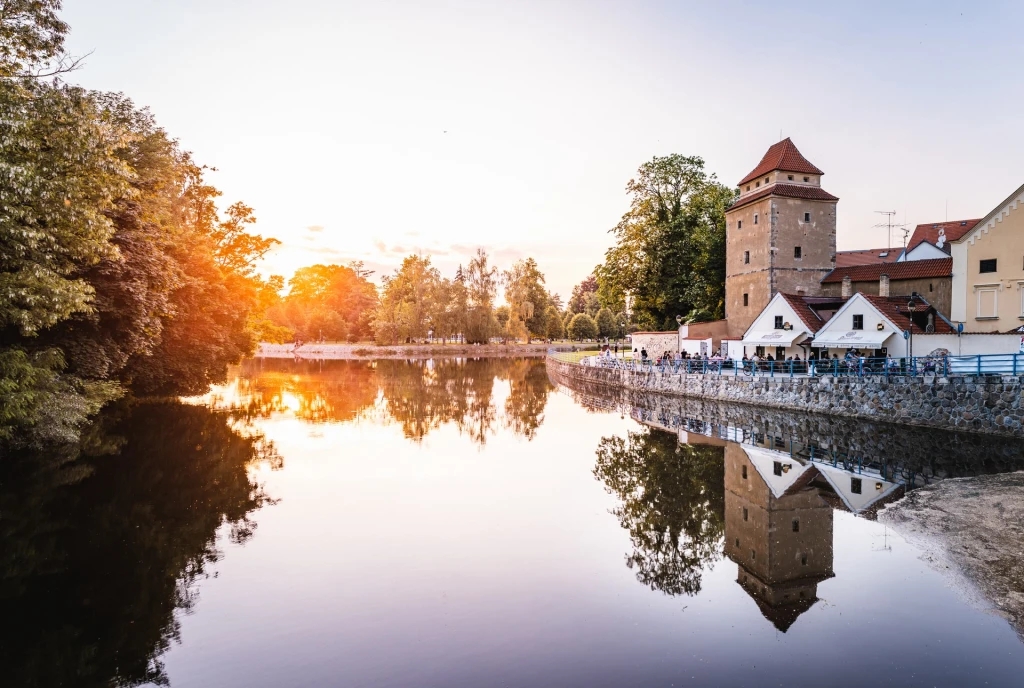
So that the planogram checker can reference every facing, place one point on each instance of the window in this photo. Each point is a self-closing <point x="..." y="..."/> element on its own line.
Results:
<point x="777" y="468"/>
<point x="753" y="555"/>
<point x="757" y="184"/>
<point x="796" y="525"/>
<point x="988" y="265"/>
<point x="766" y="180"/>
<point x="748" y="187"/>
<point x="755" y="218"/>
<point x="778" y="322"/>
<point x="930" y="287"/>
<point x="745" y="514"/>
<point x="858" y="322"/>
<point x="737" y="542"/>
<point x="746" y="299"/>
<point x="803" y="560"/>
<point x="807" y="217"/>
<point x="744" y="472"/>
<point x="855" y="485"/>
<point x="807" y="179"/>
<point x="739" y="224"/>
<point x="789" y="177"/>
<point x="797" y="252"/>
<point x="746" y="257"/>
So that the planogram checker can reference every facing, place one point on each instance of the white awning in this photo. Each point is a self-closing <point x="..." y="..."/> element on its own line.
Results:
<point x="773" y="337"/>
<point x="870" y="339"/>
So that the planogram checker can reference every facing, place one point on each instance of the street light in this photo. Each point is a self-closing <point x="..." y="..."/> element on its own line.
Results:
<point x="911" y="306"/>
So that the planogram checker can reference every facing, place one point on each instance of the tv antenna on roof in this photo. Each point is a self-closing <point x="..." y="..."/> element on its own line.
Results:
<point x="889" y="225"/>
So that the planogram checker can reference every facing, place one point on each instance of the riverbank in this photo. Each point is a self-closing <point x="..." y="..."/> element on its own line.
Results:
<point x="370" y="351"/>
<point x="971" y="528"/>
<point x="989" y="404"/>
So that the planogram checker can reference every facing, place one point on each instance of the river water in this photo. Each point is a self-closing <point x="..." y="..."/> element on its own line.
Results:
<point x="468" y="523"/>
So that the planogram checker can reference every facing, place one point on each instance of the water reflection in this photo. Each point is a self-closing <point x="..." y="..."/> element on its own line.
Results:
<point x="420" y="396"/>
<point x="99" y="555"/>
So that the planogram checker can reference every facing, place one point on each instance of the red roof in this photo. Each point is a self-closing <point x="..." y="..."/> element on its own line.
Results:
<point x="813" y="193"/>
<point x="781" y="156"/>
<point x="895" y="308"/>
<point x="911" y="269"/>
<point x="930" y="232"/>
<point x="867" y="256"/>
<point x="807" y="315"/>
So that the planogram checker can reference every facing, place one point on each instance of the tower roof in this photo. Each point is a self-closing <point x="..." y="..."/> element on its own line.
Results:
<point x="785" y="156"/>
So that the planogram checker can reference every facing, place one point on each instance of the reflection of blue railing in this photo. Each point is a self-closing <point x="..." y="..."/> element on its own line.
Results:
<point x="850" y="366"/>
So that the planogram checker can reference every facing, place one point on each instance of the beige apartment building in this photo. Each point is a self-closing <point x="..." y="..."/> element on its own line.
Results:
<point x="988" y="270"/>
<point x="780" y="235"/>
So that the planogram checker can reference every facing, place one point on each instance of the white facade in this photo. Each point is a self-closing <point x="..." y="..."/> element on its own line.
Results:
<point x="923" y="251"/>
<point x="778" y="327"/>
<point x="877" y="331"/>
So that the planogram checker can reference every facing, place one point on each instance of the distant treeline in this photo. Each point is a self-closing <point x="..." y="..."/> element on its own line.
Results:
<point x="117" y="273"/>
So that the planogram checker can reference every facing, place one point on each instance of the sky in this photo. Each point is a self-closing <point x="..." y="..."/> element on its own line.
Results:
<point x="372" y="130"/>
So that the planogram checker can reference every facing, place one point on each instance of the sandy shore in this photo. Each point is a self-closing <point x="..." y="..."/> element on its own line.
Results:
<point x="367" y="351"/>
<point x="971" y="529"/>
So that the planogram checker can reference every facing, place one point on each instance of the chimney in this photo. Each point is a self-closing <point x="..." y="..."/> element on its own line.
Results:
<point x="883" y="285"/>
<point x="847" y="287"/>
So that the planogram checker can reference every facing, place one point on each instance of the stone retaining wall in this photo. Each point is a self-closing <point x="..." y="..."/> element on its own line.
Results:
<point x="984" y="404"/>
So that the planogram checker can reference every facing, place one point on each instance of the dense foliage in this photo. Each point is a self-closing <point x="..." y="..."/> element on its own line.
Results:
<point x="669" y="255"/>
<point x="116" y="271"/>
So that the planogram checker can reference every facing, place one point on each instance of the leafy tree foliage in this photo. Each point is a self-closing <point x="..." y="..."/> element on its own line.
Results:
<point x="334" y="302"/>
<point x="527" y="300"/>
<point x="606" y="325"/>
<point x="556" y="330"/>
<point x="669" y="254"/>
<point x="672" y="504"/>
<point x="581" y="295"/>
<point x="583" y="327"/>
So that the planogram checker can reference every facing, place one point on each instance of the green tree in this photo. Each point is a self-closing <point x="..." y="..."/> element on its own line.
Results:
<point x="527" y="300"/>
<point x="408" y="301"/>
<point x="332" y="301"/>
<point x="482" y="288"/>
<point x="672" y="503"/>
<point x="583" y="327"/>
<point x="578" y="299"/>
<point x="556" y="330"/>
<point x="669" y="254"/>
<point x="606" y="326"/>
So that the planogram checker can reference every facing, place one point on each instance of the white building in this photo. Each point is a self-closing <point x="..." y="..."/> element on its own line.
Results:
<point x="787" y="325"/>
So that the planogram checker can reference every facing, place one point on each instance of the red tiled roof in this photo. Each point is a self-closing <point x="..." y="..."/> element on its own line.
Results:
<point x="813" y="193"/>
<point x="781" y="156"/>
<point x="895" y="308"/>
<point x="930" y="232"/>
<point x="807" y="315"/>
<point x="911" y="269"/>
<point x="867" y="256"/>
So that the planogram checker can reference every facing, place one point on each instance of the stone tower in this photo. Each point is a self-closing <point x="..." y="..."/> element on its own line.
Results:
<point x="780" y="235"/>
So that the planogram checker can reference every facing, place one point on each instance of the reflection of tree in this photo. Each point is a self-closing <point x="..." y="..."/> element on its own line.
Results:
<point x="673" y="505"/>
<point x="318" y="392"/>
<point x="92" y="570"/>
<point x="528" y="395"/>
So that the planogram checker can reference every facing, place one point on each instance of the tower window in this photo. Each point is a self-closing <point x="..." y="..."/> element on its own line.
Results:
<point x="755" y="218"/>
<point x="778" y="322"/>
<point x="803" y="560"/>
<point x="797" y="253"/>
<point x="744" y="471"/>
<point x="737" y="542"/>
<point x="746" y="257"/>
<point x="855" y="485"/>
<point x="739" y="224"/>
<point x="930" y="287"/>
<point x="807" y="217"/>
<point x="858" y="322"/>
<point x="985" y="265"/>
<point x="796" y="525"/>
<point x="807" y="179"/>
<point x="790" y="177"/>
<point x="746" y="299"/>
<point x="745" y="514"/>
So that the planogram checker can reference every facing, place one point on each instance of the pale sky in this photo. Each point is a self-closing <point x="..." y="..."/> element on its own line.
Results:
<point x="369" y="130"/>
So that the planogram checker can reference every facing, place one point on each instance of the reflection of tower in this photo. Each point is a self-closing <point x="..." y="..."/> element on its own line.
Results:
<point x="777" y="529"/>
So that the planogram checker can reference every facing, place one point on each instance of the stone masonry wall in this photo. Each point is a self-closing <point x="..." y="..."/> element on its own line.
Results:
<point x="982" y="404"/>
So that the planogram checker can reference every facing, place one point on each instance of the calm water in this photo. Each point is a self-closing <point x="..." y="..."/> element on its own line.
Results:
<point x="465" y="523"/>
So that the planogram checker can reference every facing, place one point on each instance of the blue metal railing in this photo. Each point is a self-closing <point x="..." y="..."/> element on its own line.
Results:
<point x="851" y="366"/>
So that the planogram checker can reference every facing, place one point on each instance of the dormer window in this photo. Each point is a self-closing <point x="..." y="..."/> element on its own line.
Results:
<point x="748" y="187"/>
<point x="807" y="179"/>
<point x="766" y="180"/>
<point x="757" y="184"/>
<point x="790" y="177"/>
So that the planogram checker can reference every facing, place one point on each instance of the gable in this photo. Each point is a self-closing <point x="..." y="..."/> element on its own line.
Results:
<point x="995" y="218"/>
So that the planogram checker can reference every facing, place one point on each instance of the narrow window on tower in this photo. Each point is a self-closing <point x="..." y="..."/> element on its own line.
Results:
<point x="797" y="253"/>
<point x="739" y="224"/>
<point x="807" y="217"/>
<point x="746" y="299"/>
<point x="746" y="257"/>
<point x="755" y="218"/>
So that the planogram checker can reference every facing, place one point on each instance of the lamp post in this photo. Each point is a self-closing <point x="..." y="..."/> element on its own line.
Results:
<point x="911" y="306"/>
<point x="679" y="334"/>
